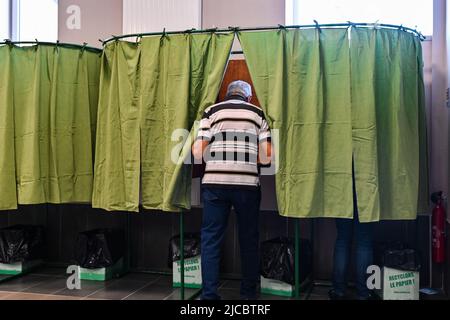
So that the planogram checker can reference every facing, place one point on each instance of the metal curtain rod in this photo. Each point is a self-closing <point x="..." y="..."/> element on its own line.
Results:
<point x="237" y="29"/>
<point x="57" y="44"/>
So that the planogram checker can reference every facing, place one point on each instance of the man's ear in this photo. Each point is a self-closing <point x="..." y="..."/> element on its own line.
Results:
<point x="249" y="98"/>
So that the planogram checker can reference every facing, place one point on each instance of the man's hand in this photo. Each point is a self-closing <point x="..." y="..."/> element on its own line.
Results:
<point x="198" y="148"/>
<point x="265" y="153"/>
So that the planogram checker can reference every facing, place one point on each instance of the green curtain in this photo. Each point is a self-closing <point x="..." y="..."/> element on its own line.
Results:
<point x="302" y="80"/>
<point x="50" y="99"/>
<point x="389" y="125"/>
<point x="334" y="97"/>
<point x="8" y="198"/>
<point x="148" y="90"/>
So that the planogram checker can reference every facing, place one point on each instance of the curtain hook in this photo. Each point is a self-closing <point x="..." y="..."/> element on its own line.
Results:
<point x="138" y="39"/>
<point x="188" y="32"/>
<point x="83" y="48"/>
<point x="234" y="29"/>
<point x="421" y="36"/>
<point x="351" y="25"/>
<point x="317" y="26"/>
<point x="376" y="25"/>
<point x="281" y="27"/>
<point x="163" y="36"/>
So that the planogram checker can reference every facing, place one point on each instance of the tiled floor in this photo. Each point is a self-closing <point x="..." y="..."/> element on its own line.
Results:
<point x="50" y="284"/>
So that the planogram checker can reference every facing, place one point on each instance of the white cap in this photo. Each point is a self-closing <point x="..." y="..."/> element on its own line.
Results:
<point x="240" y="88"/>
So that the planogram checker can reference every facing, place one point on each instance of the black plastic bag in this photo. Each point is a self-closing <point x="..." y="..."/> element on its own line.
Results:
<point x="277" y="260"/>
<point x="22" y="243"/>
<point x="100" y="248"/>
<point x="192" y="245"/>
<point x="406" y="259"/>
<point x="398" y="256"/>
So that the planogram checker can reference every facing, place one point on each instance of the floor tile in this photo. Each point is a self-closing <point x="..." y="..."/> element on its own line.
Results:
<point x="87" y="288"/>
<point x="4" y="294"/>
<point x="144" y="277"/>
<point x="165" y="281"/>
<point x="22" y="283"/>
<point x="230" y="284"/>
<point x="120" y="289"/>
<point x="51" y="286"/>
<point x="35" y="296"/>
<point x="151" y="293"/>
<point x="176" y="295"/>
<point x="229" y="294"/>
<point x="55" y="297"/>
<point x="4" y="277"/>
<point x="318" y="297"/>
<point x="51" y="271"/>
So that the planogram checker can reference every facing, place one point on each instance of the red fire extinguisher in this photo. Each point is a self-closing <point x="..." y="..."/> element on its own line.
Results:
<point x="438" y="223"/>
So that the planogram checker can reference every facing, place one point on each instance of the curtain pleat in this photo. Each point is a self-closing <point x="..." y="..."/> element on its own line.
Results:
<point x="150" y="94"/>
<point x="337" y="97"/>
<point x="389" y="125"/>
<point x="8" y="198"/>
<point x="302" y="79"/>
<point x="50" y="104"/>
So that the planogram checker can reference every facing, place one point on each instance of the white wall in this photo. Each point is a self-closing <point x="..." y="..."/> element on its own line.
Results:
<point x="242" y="13"/>
<point x="154" y="15"/>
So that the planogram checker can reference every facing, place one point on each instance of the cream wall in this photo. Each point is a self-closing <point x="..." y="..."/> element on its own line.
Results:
<point x="242" y="13"/>
<point x="99" y="20"/>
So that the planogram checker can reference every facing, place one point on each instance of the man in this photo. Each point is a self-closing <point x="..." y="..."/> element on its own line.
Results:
<point x="234" y="139"/>
<point x="342" y="250"/>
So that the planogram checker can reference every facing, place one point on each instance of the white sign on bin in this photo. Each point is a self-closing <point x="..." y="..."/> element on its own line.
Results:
<point x="400" y="284"/>
<point x="192" y="272"/>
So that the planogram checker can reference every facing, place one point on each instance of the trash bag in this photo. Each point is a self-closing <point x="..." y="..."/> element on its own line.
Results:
<point x="406" y="259"/>
<point x="398" y="256"/>
<point x="191" y="247"/>
<point x="22" y="243"/>
<point x="100" y="248"/>
<point x="277" y="259"/>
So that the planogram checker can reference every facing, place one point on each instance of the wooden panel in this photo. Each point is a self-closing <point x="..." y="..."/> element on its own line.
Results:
<point x="237" y="70"/>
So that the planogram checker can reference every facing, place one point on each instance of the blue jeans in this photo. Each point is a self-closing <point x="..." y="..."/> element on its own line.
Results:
<point x="342" y="250"/>
<point x="217" y="203"/>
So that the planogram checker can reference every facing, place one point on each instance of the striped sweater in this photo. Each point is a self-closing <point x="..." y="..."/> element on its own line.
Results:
<point x="234" y="129"/>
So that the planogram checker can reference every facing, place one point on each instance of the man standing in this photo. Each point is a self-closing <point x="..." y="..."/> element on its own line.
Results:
<point x="342" y="251"/>
<point x="234" y="139"/>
